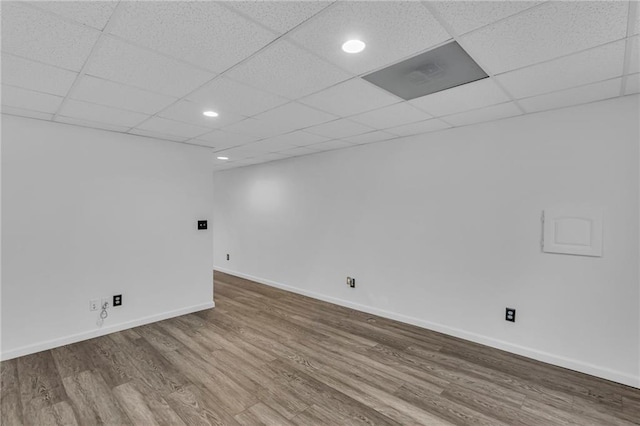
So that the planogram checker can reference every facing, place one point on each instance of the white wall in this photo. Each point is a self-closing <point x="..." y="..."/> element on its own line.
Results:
<point x="88" y="214"/>
<point x="443" y="230"/>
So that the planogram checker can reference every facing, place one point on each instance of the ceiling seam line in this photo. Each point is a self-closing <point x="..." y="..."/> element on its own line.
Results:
<point x="222" y="74"/>
<point x="276" y="32"/>
<point x="631" y="16"/>
<point x="573" y="87"/>
<point x="33" y="5"/>
<point x="37" y="61"/>
<point x="457" y="39"/>
<point x="484" y="26"/>
<point x="82" y="71"/>
<point x="104" y="130"/>
<point x="566" y="55"/>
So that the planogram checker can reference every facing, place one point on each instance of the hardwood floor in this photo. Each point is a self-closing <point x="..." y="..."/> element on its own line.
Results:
<point x="266" y="356"/>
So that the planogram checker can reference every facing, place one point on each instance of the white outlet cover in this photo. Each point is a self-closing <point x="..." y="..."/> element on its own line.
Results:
<point x="93" y="304"/>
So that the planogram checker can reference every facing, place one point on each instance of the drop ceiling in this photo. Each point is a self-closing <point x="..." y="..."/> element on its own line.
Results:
<point x="275" y="73"/>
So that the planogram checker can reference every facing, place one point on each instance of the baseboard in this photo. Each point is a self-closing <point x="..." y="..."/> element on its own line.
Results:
<point x="50" y="344"/>
<point x="571" y="364"/>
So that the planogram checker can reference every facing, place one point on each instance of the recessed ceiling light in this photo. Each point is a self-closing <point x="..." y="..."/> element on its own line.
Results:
<point x="210" y="114"/>
<point x="353" y="46"/>
<point x="223" y="158"/>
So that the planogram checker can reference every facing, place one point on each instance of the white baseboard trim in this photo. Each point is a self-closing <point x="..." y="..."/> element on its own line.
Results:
<point x="50" y="344"/>
<point x="571" y="364"/>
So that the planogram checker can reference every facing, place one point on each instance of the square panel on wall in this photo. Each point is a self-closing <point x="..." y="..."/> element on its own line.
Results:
<point x="573" y="230"/>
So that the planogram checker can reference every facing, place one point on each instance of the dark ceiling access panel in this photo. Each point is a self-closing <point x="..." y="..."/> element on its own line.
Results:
<point x="439" y="69"/>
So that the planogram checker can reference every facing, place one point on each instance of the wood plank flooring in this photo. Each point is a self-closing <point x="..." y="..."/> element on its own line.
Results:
<point x="266" y="356"/>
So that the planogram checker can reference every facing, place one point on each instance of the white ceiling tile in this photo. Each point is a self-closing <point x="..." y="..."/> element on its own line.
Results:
<point x="155" y="135"/>
<point x="577" y="95"/>
<point x="263" y="158"/>
<point x="298" y="138"/>
<point x="203" y="33"/>
<point x="26" y="113"/>
<point x="94" y="13"/>
<point x="287" y="141"/>
<point x="350" y="97"/>
<point x="239" y="153"/>
<point x="465" y="16"/>
<point x="270" y="145"/>
<point x="294" y="116"/>
<point x="600" y="63"/>
<point x="392" y="31"/>
<point x="101" y="113"/>
<point x="259" y="129"/>
<point x="91" y="124"/>
<point x="226" y="166"/>
<point x="191" y="112"/>
<point x="236" y="97"/>
<point x="170" y="127"/>
<point x="491" y="113"/>
<point x="636" y="22"/>
<point x="391" y="116"/>
<point x="222" y="140"/>
<point x="36" y="76"/>
<point x="104" y="92"/>
<point x="633" y="84"/>
<point x="38" y="35"/>
<point x="419" y="127"/>
<point x="271" y="156"/>
<point x="249" y="161"/>
<point x="634" y="60"/>
<point x="201" y="143"/>
<point x="27" y="99"/>
<point x="297" y="151"/>
<point x="339" y="129"/>
<point x="280" y="16"/>
<point x="375" y="136"/>
<point x="329" y="145"/>
<point x="553" y="29"/>
<point x="469" y="96"/>
<point x="288" y="71"/>
<point x="119" y="61"/>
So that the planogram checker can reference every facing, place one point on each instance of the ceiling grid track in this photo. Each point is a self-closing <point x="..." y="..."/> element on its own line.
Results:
<point x="457" y="38"/>
<point x="276" y="75"/>
<point x="83" y="70"/>
<point x="631" y="18"/>
<point x="222" y="73"/>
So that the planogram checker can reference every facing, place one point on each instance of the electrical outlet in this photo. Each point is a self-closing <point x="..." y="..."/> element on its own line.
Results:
<point x="510" y="315"/>
<point x="351" y="282"/>
<point x="94" y="304"/>
<point x="202" y="224"/>
<point x="227" y="256"/>
<point x="104" y="302"/>
<point x="117" y="300"/>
